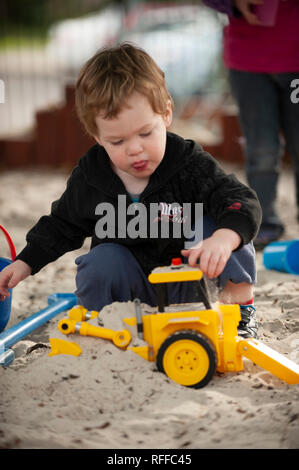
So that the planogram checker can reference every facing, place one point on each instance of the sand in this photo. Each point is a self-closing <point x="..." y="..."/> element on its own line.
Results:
<point x="112" y="399"/>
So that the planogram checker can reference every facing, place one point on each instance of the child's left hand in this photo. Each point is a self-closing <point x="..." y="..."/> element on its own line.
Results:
<point x="213" y="252"/>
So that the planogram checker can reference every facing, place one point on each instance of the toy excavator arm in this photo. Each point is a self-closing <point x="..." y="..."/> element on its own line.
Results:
<point x="268" y="359"/>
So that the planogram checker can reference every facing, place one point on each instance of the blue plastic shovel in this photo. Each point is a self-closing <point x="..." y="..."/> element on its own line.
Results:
<point x="56" y="303"/>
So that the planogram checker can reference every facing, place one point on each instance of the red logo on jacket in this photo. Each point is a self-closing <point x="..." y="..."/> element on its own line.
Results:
<point x="235" y="206"/>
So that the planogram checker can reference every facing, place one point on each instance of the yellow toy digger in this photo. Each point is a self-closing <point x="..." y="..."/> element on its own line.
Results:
<point x="189" y="345"/>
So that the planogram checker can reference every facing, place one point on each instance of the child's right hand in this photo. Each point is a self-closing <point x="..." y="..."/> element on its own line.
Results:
<point x="12" y="275"/>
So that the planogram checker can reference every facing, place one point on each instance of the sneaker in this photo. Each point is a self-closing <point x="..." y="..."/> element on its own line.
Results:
<point x="248" y="325"/>
<point x="268" y="233"/>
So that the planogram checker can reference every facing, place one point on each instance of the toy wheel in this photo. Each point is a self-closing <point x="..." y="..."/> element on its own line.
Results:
<point x="188" y="358"/>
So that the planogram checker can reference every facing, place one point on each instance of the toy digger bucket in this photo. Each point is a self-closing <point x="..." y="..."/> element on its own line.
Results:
<point x="5" y="305"/>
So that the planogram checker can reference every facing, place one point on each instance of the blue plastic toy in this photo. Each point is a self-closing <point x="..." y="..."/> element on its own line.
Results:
<point x="5" y="305"/>
<point x="57" y="303"/>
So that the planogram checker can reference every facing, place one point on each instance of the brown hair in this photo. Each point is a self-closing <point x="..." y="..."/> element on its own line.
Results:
<point x="108" y="79"/>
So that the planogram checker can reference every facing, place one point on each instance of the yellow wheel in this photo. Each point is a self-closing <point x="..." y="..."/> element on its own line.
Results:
<point x="188" y="358"/>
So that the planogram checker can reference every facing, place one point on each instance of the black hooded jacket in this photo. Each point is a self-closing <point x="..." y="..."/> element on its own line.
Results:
<point x="187" y="174"/>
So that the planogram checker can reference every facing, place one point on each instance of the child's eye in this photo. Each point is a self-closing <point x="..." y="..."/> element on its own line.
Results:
<point x="146" y="134"/>
<point x="119" y="142"/>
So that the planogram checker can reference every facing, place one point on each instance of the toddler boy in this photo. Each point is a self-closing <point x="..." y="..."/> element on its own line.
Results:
<point x="123" y="102"/>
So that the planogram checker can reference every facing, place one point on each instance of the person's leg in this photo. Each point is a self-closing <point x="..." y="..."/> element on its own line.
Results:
<point x="109" y="273"/>
<point x="236" y="282"/>
<point x="290" y="122"/>
<point x="256" y="95"/>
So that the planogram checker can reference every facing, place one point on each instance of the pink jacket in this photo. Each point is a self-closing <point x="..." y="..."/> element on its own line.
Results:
<point x="269" y="49"/>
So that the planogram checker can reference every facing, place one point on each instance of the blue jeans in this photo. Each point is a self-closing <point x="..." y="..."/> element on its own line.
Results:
<point x="265" y="109"/>
<point x="110" y="272"/>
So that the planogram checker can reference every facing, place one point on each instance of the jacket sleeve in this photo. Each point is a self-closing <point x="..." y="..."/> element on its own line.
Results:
<point x="63" y="230"/>
<point x="223" y="6"/>
<point x="230" y="203"/>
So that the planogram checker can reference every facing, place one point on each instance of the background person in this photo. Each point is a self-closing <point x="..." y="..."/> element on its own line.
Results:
<point x="262" y="62"/>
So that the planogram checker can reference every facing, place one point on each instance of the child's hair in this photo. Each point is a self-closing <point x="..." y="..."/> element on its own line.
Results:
<point x="108" y="79"/>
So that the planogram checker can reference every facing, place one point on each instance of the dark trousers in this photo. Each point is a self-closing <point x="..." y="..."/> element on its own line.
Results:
<point x="265" y="109"/>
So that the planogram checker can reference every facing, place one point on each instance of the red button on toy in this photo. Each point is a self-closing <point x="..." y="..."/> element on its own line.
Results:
<point x="176" y="261"/>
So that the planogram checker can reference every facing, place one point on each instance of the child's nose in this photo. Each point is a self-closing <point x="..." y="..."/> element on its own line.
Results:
<point x="134" y="148"/>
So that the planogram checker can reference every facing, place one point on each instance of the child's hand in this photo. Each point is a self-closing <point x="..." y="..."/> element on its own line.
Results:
<point x="214" y="252"/>
<point x="12" y="275"/>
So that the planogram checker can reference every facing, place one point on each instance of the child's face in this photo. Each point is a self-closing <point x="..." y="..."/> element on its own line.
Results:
<point x="135" y="139"/>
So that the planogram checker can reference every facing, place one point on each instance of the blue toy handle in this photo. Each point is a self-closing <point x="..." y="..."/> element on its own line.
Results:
<point x="57" y="303"/>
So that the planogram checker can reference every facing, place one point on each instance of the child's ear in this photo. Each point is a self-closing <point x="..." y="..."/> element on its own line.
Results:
<point x="168" y="114"/>
<point x="97" y="139"/>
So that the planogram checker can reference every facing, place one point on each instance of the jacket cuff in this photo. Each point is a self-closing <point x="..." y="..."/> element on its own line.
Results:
<point x="35" y="257"/>
<point x="223" y="6"/>
<point x="238" y="223"/>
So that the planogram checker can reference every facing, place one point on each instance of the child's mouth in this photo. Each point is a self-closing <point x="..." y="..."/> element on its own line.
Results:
<point x="140" y="166"/>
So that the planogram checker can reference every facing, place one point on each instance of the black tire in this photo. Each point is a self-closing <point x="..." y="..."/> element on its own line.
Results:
<point x="205" y="344"/>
